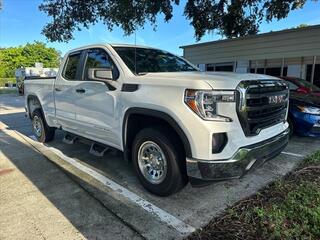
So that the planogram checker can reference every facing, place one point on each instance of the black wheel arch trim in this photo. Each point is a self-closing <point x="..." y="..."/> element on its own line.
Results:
<point x="158" y="114"/>
<point x="28" y="99"/>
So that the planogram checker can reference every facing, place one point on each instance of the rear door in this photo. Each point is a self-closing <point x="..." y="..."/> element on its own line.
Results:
<point x="66" y="91"/>
<point x="95" y="111"/>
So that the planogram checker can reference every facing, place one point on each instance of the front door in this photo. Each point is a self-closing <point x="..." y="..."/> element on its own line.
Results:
<point x="95" y="110"/>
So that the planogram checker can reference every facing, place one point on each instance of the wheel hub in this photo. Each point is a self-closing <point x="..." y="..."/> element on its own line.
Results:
<point x="152" y="162"/>
<point x="37" y="127"/>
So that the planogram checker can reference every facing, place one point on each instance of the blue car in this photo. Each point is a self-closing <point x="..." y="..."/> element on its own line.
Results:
<point x="304" y="114"/>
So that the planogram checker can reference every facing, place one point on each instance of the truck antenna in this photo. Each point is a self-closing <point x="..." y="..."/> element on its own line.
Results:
<point x="135" y="52"/>
<point x="135" y="41"/>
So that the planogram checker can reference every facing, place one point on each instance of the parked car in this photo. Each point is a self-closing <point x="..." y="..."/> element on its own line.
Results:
<point x="25" y="73"/>
<point x="304" y="108"/>
<point x="301" y="86"/>
<point x="174" y="122"/>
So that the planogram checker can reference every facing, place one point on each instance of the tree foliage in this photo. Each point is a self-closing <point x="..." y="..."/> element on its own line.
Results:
<point x="26" y="56"/>
<point x="231" y="18"/>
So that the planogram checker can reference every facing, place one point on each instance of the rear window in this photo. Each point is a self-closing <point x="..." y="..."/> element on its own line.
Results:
<point x="70" y="71"/>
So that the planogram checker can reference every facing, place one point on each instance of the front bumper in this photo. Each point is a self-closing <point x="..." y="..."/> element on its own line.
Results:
<point x="243" y="160"/>
<point x="306" y="124"/>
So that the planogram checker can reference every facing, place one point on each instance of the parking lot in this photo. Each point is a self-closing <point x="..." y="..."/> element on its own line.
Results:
<point x="59" y="190"/>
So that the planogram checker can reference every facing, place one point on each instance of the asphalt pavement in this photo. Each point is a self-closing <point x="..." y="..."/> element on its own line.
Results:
<point x="61" y="191"/>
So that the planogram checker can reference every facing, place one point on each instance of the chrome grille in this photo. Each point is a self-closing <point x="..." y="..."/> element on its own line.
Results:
<point x="261" y="104"/>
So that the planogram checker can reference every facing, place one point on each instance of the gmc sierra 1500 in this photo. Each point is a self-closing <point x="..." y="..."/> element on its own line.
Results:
<point x="174" y="122"/>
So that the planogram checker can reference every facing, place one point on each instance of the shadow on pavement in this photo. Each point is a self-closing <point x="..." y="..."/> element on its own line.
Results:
<point x="82" y="210"/>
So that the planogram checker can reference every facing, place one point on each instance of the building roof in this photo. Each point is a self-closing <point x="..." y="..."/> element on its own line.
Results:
<point x="254" y="36"/>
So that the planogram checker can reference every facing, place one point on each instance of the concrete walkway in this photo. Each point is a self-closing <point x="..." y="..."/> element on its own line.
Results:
<point x="39" y="201"/>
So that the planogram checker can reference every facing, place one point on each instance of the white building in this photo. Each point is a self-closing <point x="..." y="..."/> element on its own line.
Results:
<point x="292" y="52"/>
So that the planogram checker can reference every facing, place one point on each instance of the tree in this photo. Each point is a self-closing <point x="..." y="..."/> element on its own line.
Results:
<point x="303" y="25"/>
<point x="232" y="18"/>
<point x="26" y="56"/>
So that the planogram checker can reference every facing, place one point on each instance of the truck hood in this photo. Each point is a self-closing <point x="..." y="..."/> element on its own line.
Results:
<point x="216" y="80"/>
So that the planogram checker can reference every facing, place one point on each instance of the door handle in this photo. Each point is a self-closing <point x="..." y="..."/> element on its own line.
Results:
<point x="57" y="89"/>
<point x="80" y="90"/>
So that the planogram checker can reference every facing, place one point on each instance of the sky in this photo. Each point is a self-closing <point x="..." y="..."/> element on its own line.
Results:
<point x="21" y="22"/>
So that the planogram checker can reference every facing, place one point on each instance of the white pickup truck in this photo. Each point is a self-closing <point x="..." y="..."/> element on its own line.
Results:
<point x="175" y="123"/>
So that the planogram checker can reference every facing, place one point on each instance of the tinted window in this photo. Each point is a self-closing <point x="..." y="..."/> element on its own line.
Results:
<point x="144" y="60"/>
<point x="292" y="86"/>
<point x="72" y="65"/>
<point x="98" y="58"/>
<point x="308" y="85"/>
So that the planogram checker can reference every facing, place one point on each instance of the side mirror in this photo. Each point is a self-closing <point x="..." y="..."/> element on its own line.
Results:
<point x="100" y="74"/>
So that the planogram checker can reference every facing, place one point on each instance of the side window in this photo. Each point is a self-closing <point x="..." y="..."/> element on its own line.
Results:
<point x="98" y="58"/>
<point x="71" y="67"/>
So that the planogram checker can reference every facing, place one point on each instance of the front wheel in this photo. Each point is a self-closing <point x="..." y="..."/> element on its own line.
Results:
<point x="42" y="131"/>
<point x="158" y="162"/>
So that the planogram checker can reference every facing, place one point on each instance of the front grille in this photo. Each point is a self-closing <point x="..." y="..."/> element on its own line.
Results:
<point x="261" y="104"/>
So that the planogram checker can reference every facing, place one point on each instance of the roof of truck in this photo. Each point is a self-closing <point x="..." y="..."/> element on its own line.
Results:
<point x="106" y="44"/>
<point x="128" y="45"/>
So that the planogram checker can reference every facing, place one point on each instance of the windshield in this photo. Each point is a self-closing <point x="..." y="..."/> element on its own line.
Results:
<point x="308" y="85"/>
<point x="152" y="60"/>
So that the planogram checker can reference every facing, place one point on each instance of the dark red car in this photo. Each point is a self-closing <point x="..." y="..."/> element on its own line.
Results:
<point x="299" y="85"/>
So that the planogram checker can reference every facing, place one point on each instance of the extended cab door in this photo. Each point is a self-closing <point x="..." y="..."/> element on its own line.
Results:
<point x="95" y="107"/>
<point x="66" y="91"/>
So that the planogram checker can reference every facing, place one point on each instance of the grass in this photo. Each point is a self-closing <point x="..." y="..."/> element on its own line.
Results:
<point x="8" y="90"/>
<point x="286" y="209"/>
<point x="3" y="81"/>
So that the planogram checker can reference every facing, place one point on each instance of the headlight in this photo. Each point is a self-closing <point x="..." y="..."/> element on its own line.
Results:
<point x="204" y="103"/>
<point x="309" y="110"/>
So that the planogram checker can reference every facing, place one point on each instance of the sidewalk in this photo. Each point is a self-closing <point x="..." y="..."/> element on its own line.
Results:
<point x="39" y="201"/>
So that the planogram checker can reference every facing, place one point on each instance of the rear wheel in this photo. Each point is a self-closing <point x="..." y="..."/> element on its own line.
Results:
<point x="42" y="131"/>
<point x="158" y="162"/>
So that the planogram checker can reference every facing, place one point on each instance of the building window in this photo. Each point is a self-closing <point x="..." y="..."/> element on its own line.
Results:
<point x="225" y="68"/>
<point x="273" y="71"/>
<point x="316" y="78"/>
<point x="220" y="67"/>
<point x="210" y="67"/>
<point x="260" y="70"/>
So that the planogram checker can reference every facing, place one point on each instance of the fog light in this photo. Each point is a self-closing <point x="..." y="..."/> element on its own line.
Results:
<point x="219" y="141"/>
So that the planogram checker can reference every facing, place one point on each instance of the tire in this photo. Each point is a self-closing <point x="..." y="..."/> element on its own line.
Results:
<point x="42" y="131"/>
<point x="159" y="151"/>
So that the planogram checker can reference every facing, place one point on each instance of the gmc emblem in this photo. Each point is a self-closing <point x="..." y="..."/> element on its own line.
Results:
<point x="277" y="99"/>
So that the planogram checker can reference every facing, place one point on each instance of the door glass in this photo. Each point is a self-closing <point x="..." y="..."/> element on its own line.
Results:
<point x="71" y="68"/>
<point x="98" y="58"/>
<point x="292" y="86"/>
